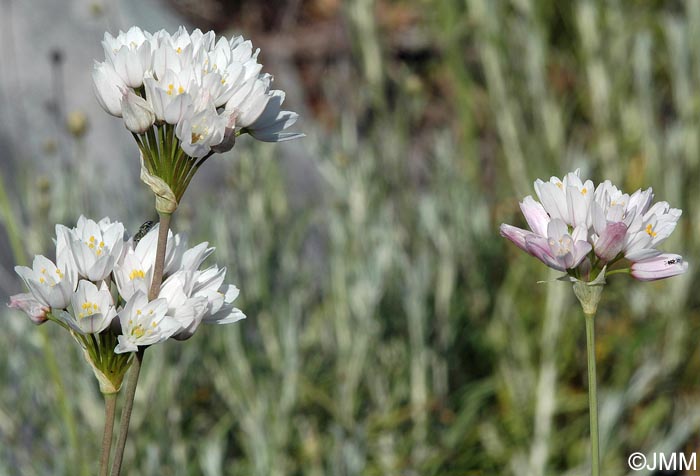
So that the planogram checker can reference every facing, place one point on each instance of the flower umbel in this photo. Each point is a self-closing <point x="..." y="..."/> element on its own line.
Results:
<point x="186" y="96"/>
<point x="583" y="230"/>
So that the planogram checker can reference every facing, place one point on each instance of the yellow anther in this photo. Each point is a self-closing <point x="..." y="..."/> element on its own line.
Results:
<point x="91" y="245"/>
<point x="138" y="312"/>
<point x="137" y="331"/>
<point x="180" y="90"/>
<point x="650" y="231"/>
<point x="178" y="50"/>
<point x="42" y="280"/>
<point x="137" y="273"/>
<point x="102" y="244"/>
<point x="43" y="270"/>
<point x="559" y="184"/>
<point x="584" y="191"/>
<point x="92" y="239"/>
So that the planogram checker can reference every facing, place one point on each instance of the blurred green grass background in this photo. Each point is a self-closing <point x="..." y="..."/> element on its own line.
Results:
<point x="390" y="330"/>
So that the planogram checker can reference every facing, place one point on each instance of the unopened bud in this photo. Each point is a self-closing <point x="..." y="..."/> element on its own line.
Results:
<point x="137" y="113"/>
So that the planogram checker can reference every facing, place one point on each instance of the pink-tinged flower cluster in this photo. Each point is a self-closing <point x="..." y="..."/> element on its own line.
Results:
<point x="210" y="90"/>
<point x="579" y="228"/>
<point x="101" y="281"/>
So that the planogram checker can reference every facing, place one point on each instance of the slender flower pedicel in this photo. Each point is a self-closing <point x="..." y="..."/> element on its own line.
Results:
<point x="592" y="232"/>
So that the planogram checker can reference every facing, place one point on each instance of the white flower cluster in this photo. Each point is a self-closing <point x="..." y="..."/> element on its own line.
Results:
<point x="209" y="90"/>
<point x="576" y="225"/>
<point x="101" y="278"/>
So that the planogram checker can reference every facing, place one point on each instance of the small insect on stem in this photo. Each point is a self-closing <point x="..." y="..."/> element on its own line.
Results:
<point x="143" y="230"/>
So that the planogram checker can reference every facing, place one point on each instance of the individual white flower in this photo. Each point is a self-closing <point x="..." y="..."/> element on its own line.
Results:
<point x="137" y="113"/>
<point x="568" y="199"/>
<point x="108" y="87"/>
<point x="175" y="251"/>
<point x="200" y="129"/>
<point x="184" y="309"/>
<point x="171" y="94"/>
<point x="210" y="284"/>
<point x="132" y="275"/>
<point x="271" y="123"/>
<point x="130" y="54"/>
<point x="649" y="230"/>
<point x="143" y="323"/>
<point x="95" y="246"/>
<point x="92" y="309"/>
<point x="49" y="284"/>
<point x="180" y="50"/>
<point x="220" y="306"/>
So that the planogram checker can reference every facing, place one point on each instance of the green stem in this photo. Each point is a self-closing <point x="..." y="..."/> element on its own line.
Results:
<point x="592" y="394"/>
<point x="618" y="271"/>
<point x="126" y="411"/>
<point x="160" y="255"/>
<point x="133" y="378"/>
<point x="110" y="410"/>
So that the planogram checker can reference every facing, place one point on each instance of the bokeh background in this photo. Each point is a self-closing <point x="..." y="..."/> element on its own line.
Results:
<point x="390" y="330"/>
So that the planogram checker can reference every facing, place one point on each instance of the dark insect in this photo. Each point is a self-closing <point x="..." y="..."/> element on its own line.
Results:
<point x="145" y="228"/>
<point x="673" y="261"/>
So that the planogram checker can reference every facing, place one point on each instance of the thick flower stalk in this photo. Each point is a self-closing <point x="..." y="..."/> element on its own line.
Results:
<point x="591" y="232"/>
<point x="185" y="97"/>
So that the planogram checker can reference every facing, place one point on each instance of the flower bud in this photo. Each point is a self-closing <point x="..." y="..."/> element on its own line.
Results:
<point x="137" y="113"/>
<point x="229" y="136"/>
<point x="659" y="267"/>
<point x="31" y="307"/>
<point x="611" y="241"/>
<point x="515" y="234"/>
<point x="108" y="88"/>
<point x="535" y="215"/>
